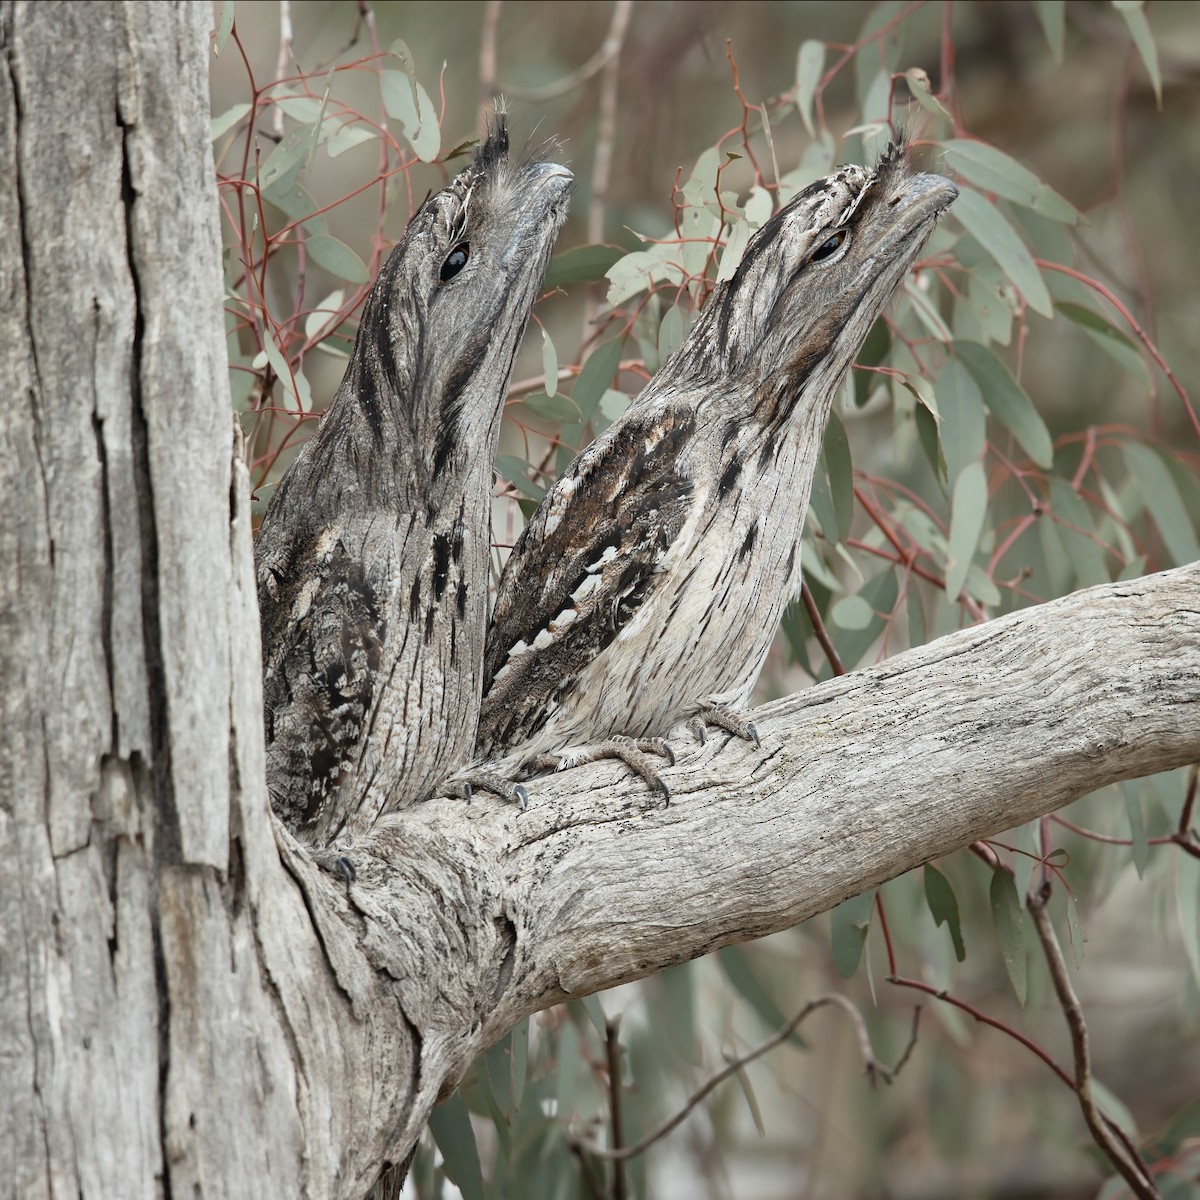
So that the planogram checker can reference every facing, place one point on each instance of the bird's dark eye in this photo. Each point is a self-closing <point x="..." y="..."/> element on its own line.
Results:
<point x="455" y="261"/>
<point x="827" y="247"/>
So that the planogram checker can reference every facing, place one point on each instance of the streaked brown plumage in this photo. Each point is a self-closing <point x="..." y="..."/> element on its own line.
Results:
<point x="649" y="584"/>
<point x="372" y="558"/>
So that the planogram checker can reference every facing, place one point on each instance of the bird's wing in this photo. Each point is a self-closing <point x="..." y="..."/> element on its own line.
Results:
<point x="324" y="614"/>
<point x="581" y="569"/>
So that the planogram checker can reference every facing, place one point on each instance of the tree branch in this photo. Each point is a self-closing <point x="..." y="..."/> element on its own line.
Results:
<point x="858" y="780"/>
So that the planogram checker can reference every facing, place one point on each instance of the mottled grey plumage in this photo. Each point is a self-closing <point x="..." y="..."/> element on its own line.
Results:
<point x="649" y="584"/>
<point x="372" y="558"/>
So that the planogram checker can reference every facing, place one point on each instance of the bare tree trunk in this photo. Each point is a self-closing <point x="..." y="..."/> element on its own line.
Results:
<point x="187" y="1004"/>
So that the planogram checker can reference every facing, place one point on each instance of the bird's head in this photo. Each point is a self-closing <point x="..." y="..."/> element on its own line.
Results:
<point x="442" y="322"/>
<point x="815" y="277"/>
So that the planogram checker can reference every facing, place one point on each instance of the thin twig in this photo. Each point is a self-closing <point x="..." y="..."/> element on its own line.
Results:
<point x="488" y="87"/>
<point x="606" y="135"/>
<point x="281" y="61"/>
<point x="874" y="1069"/>
<point x="578" y="77"/>
<point x="1116" y="1147"/>
<point x="814" y="615"/>
<point x="1140" y="333"/>
<point x="612" y="1044"/>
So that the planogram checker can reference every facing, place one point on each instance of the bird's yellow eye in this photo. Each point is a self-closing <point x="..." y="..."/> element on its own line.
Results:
<point x="827" y="247"/>
<point x="455" y="261"/>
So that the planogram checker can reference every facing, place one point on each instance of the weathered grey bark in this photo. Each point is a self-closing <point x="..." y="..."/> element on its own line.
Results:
<point x="187" y="1005"/>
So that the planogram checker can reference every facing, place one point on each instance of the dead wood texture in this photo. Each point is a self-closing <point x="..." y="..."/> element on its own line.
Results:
<point x="187" y="1005"/>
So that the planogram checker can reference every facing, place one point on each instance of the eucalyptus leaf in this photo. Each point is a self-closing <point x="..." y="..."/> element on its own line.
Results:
<point x="1008" y="401"/>
<point x="962" y="427"/>
<point x="1052" y="15"/>
<point x="849" y="924"/>
<point x="1134" y="16"/>
<point x="337" y="258"/>
<point x="1162" y="501"/>
<point x="1008" y="915"/>
<point x="810" y="65"/>
<point x="227" y="120"/>
<point x="967" y="512"/>
<point x="984" y="221"/>
<point x="994" y="171"/>
<point x="943" y="907"/>
<point x="596" y="376"/>
<point x="1107" y="337"/>
<point x="734" y="961"/>
<point x="450" y="1124"/>
<point x="583" y="264"/>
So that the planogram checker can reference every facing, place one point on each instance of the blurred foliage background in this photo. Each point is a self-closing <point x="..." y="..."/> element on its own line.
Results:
<point x="332" y="121"/>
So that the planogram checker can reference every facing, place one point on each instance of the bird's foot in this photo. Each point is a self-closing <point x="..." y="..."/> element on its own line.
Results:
<point x="722" y="716"/>
<point x="633" y="752"/>
<point x="338" y="864"/>
<point x="464" y="787"/>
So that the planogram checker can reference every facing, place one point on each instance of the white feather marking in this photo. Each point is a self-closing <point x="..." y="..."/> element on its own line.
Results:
<point x="585" y="589"/>
<point x="609" y="554"/>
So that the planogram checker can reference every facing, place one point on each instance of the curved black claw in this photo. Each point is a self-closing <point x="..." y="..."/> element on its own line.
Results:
<point x="724" y="717"/>
<point x="486" y="781"/>
<point x="339" y="865"/>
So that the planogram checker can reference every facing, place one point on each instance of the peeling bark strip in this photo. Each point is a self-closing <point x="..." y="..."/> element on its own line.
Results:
<point x="190" y="1007"/>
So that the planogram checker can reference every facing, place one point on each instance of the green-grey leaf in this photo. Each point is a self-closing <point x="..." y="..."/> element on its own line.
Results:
<point x="880" y="595"/>
<point x="450" y="1124"/>
<point x="918" y="84"/>
<point x="820" y="504"/>
<point x="227" y="120"/>
<point x="596" y="377"/>
<point x="1187" y="898"/>
<point x="983" y="220"/>
<point x="513" y="469"/>
<point x="926" y="311"/>
<point x="1052" y="14"/>
<point x="931" y="444"/>
<point x="1008" y="402"/>
<point x="1085" y="553"/>
<point x="1115" y="1108"/>
<point x="350" y="134"/>
<point x="407" y="101"/>
<point x="1163" y="501"/>
<point x="1108" y="337"/>
<point x="967" y="512"/>
<point x="284" y="162"/>
<point x="549" y="363"/>
<point x="962" y="428"/>
<point x="670" y="333"/>
<point x="1143" y="39"/>
<point x="810" y="64"/>
<point x="849" y="924"/>
<point x="943" y="907"/>
<point x="1007" y="915"/>
<point x="224" y="27"/>
<point x="583" y="264"/>
<point x="558" y="408"/>
<point x="994" y="171"/>
<point x="1137" y="826"/>
<point x="746" y="983"/>
<point x="337" y="258"/>
<point x="852" y="612"/>
<point x="836" y="449"/>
